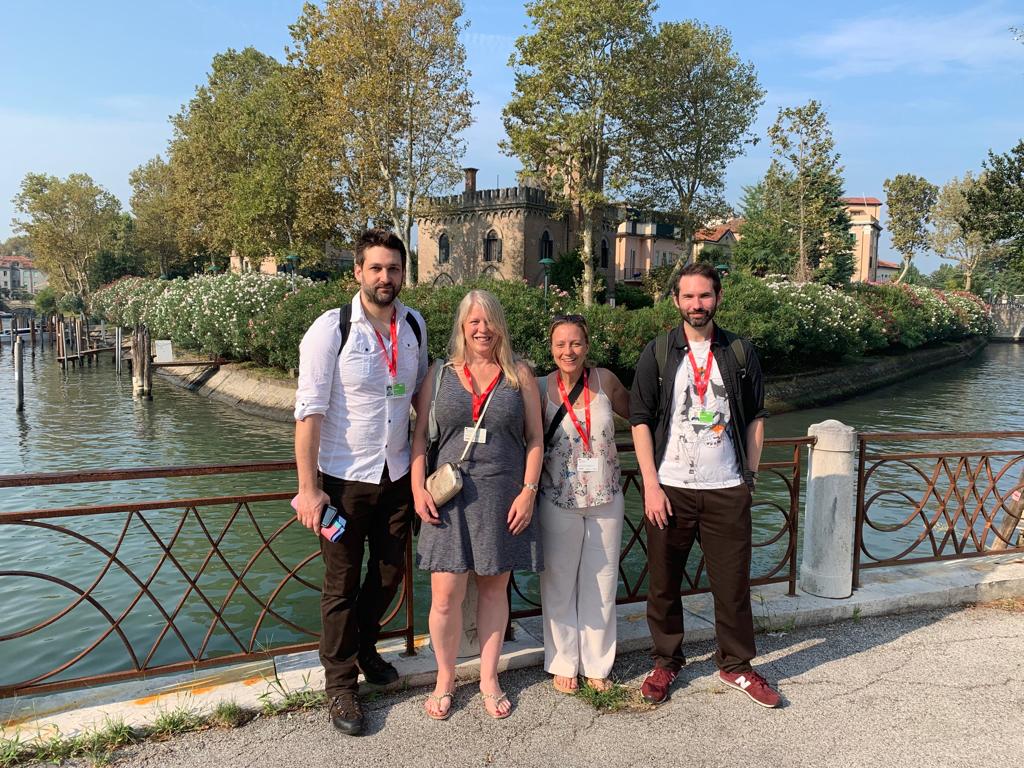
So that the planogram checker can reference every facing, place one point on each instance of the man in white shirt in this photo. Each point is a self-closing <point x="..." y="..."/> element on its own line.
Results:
<point x="697" y="411"/>
<point x="359" y="367"/>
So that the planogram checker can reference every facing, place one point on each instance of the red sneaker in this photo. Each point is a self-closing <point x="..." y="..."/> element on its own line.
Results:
<point x="752" y="684"/>
<point x="656" y="684"/>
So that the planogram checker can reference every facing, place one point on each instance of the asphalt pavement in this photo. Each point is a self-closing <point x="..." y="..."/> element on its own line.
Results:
<point x="936" y="688"/>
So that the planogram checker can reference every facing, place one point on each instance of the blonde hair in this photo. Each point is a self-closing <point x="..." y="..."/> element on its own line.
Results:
<point x="495" y="315"/>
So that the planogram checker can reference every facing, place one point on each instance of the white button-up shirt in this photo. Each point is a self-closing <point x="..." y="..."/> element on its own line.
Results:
<point x="362" y="426"/>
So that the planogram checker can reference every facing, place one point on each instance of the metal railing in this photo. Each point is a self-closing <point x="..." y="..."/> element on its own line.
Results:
<point x="187" y="583"/>
<point x="966" y="503"/>
<point x="779" y="544"/>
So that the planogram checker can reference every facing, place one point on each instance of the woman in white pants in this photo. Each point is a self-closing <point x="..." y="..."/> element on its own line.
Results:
<point x="580" y="508"/>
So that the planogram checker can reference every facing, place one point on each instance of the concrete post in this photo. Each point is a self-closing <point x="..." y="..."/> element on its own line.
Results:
<point x="826" y="567"/>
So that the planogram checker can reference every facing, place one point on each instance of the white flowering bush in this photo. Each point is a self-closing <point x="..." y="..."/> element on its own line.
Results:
<point x="126" y="301"/>
<point x="215" y="314"/>
<point x="971" y="311"/>
<point x="830" y="322"/>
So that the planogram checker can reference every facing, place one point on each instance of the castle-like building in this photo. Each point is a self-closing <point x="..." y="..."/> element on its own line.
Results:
<point x="506" y="233"/>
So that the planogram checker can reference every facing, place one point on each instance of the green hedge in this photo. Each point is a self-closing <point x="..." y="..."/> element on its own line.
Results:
<point x="794" y="327"/>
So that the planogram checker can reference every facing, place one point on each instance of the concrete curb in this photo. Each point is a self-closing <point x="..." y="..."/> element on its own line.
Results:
<point x="138" y="703"/>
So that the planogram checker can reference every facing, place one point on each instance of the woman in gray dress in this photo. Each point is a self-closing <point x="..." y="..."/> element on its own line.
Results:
<point x="487" y="528"/>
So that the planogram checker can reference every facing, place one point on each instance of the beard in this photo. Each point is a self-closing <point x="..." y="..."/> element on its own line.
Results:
<point x="699" y="319"/>
<point x="382" y="296"/>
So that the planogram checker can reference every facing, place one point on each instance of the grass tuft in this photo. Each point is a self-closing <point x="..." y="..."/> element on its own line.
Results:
<point x="228" y="714"/>
<point x="11" y="752"/>
<point x="294" y="701"/>
<point x="615" y="699"/>
<point x="175" y="721"/>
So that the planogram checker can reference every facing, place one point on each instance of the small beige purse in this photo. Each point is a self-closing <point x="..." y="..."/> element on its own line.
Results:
<point x="445" y="482"/>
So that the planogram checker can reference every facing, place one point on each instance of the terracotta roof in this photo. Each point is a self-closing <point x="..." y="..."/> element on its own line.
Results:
<point x="888" y="264"/>
<point x="861" y="200"/>
<point x="711" y="235"/>
<point x="22" y="261"/>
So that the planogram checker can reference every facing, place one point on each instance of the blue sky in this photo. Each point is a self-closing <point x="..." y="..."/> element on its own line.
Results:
<point x="923" y="87"/>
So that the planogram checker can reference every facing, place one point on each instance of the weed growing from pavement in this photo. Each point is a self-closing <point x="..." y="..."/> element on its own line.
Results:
<point x="229" y="714"/>
<point x="175" y="721"/>
<point x="97" y="747"/>
<point x="279" y="699"/>
<point x="856" y="613"/>
<point x="615" y="699"/>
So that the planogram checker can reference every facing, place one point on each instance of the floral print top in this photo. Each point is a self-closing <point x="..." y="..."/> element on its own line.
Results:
<point x="561" y="483"/>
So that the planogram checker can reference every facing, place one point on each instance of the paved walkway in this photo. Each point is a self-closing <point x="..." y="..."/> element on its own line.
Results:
<point x="936" y="688"/>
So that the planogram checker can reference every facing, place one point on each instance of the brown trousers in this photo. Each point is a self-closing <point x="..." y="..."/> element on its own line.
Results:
<point x="378" y="514"/>
<point x="722" y="519"/>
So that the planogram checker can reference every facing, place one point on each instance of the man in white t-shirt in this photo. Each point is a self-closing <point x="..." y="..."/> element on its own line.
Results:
<point x="359" y="367"/>
<point x="697" y="411"/>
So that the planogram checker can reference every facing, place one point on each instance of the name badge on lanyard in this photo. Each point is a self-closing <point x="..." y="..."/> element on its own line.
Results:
<point x="587" y="464"/>
<point x="396" y="389"/>
<point x="471" y="435"/>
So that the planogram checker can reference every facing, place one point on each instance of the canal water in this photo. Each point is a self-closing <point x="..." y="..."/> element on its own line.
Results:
<point x="85" y="418"/>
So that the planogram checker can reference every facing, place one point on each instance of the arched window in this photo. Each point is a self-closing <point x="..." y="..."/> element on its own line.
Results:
<point x="444" y="279"/>
<point x="547" y="246"/>
<point x="444" y="252"/>
<point x="604" y="254"/>
<point x="492" y="247"/>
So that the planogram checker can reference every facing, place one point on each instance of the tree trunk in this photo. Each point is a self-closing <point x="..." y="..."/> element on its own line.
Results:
<point x="903" y="274"/>
<point x="673" y="277"/>
<point x="588" y="256"/>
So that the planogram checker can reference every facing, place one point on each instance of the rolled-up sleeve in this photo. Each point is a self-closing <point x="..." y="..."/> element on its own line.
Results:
<point x="318" y="365"/>
<point x="644" y="394"/>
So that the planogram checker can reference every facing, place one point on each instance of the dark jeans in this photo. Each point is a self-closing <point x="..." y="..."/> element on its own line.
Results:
<point x="722" y="517"/>
<point x="379" y="514"/>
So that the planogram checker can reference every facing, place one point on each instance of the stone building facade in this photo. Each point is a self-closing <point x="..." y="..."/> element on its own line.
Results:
<point x="502" y="233"/>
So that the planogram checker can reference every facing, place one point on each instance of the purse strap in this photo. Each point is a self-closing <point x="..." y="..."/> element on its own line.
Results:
<point x="476" y="427"/>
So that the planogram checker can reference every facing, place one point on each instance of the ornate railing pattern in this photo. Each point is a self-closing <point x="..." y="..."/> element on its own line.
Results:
<point x="967" y="503"/>
<point x="775" y="544"/>
<point x="181" y="584"/>
<point x="174" y="585"/>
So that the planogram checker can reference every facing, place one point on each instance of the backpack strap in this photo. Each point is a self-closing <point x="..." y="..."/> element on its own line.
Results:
<point x="345" y="325"/>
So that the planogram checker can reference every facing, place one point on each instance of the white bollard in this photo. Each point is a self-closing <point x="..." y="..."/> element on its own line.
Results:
<point x="826" y="566"/>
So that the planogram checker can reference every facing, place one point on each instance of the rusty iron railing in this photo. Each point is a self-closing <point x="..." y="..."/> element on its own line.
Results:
<point x="633" y="557"/>
<point x="965" y="503"/>
<point x="171" y="589"/>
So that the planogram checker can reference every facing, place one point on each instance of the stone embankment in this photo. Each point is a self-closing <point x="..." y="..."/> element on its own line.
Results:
<point x="274" y="398"/>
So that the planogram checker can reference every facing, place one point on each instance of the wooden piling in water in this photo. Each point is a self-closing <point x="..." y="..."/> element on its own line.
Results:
<point x="19" y="374"/>
<point x="142" y="369"/>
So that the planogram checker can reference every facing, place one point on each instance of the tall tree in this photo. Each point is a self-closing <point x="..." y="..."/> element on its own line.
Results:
<point x="16" y="245"/>
<point x="799" y="202"/>
<point x="235" y="156"/>
<point x="949" y="239"/>
<point x="120" y="255"/>
<point x="996" y="205"/>
<point x="391" y="78"/>
<point x="909" y="200"/>
<point x="156" y="218"/>
<point x="766" y="246"/>
<point x="564" y="120"/>
<point x="690" y="116"/>
<point x="68" y="222"/>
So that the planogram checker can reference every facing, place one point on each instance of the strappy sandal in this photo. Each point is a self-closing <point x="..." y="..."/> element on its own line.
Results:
<point x="563" y="687"/>
<point x="438" y="699"/>
<point x="497" y="699"/>
<point x="599" y="684"/>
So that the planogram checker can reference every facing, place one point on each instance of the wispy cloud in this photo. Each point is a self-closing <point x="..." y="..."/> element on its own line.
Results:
<point x="976" y="39"/>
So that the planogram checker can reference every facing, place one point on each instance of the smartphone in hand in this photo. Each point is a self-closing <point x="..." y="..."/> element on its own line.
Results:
<point x="332" y="524"/>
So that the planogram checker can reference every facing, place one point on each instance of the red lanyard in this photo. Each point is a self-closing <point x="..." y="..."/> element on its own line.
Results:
<point x="585" y="436"/>
<point x="392" y="360"/>
<point x="700" y="382"/>
<point x="479" y="400"/>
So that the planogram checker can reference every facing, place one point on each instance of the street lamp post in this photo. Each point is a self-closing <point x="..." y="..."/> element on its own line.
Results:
<point x="547" y="263"/>
<point x="293" y="260"/>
